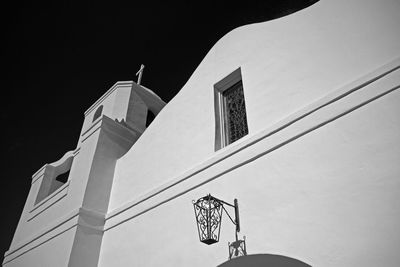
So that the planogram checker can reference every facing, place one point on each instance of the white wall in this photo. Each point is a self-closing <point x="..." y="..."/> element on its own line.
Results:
<point x="54" y="252"/>
<point x="328" y="197"/>
<point x="317" y="176"/>
<point x="286" y="64"/>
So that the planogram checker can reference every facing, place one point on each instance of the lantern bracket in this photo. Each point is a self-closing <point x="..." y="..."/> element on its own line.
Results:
<point x="235" y="205"/>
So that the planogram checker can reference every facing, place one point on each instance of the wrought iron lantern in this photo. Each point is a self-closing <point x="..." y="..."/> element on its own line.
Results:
<point x="208" y="212"/>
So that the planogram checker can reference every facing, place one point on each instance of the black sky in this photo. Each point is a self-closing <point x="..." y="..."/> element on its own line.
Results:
<point x="59" y="57"/>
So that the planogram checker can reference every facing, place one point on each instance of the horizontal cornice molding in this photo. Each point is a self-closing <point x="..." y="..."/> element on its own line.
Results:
<point x="302" y="122"/>
<point x="106" y="94"/>
<point x="48" y="201"/>
<point x="77" y="217"/>
<point x="296" y="125"/>
<point x="115" y="127"/>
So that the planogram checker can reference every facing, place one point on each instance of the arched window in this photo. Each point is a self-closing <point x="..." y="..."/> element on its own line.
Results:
<point x="98" y="112"/>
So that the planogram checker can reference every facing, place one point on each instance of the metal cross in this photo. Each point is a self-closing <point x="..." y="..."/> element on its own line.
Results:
<point x="140" y="73"/>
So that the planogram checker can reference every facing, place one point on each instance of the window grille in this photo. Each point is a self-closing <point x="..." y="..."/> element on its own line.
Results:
<point x="235" y="113"/>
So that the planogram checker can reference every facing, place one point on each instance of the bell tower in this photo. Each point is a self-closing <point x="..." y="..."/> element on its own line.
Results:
<point x="62" y="221"/>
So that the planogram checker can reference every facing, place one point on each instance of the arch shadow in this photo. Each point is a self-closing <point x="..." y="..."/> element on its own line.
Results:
<point x="258" y="260"/>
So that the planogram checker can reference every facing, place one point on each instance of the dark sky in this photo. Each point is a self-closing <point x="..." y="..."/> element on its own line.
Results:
<point x="60" y="57"/>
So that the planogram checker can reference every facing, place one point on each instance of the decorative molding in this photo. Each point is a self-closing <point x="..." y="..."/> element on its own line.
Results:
<point x="91" y="213"/>
<point x="73" y="219"/>
<point x="106" y="94"/>
<point x="152" y="101"/>
<point x="54" y="229"/>
<point x="94" y="124"/>
<point x="46" y="203"/>
<point x="107" y="123"/>
<point x="280" y="134"/>
<point x="63" y="159"/>
<point x="296" y="125"/>
<point x="32" y="246"/>
<point x="37" y="175"/>
<point x="76" y="151"/>
<point x="91" y="219"/>
<point x="121" y="130"/>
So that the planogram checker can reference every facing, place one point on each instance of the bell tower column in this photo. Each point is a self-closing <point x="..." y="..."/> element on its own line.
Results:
<point x="112" y="141"/>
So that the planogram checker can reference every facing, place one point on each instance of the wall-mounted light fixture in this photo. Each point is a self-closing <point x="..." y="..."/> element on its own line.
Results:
<point x="208" y="213"/>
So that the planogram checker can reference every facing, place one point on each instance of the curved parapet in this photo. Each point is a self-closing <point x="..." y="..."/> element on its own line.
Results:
<point x="55" y="175"/>
<point x="153" y="101"/>
<point x="317" y="166"/>
<point x="64" y="163"/>
<point x="285" y="65"/>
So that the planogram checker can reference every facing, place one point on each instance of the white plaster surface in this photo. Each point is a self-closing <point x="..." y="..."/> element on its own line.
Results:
<point x="317" y="177"/>
<point x="329" y="198"/>
<point x="286" y="64"/>
<point x="82" y="202"/>
<point x="55" y="252"/>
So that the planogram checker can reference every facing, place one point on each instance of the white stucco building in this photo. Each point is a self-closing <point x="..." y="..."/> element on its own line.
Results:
<point x="307" y="141"/>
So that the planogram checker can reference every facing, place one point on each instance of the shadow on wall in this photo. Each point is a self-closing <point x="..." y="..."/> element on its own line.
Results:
<point x="259" y="260"/>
